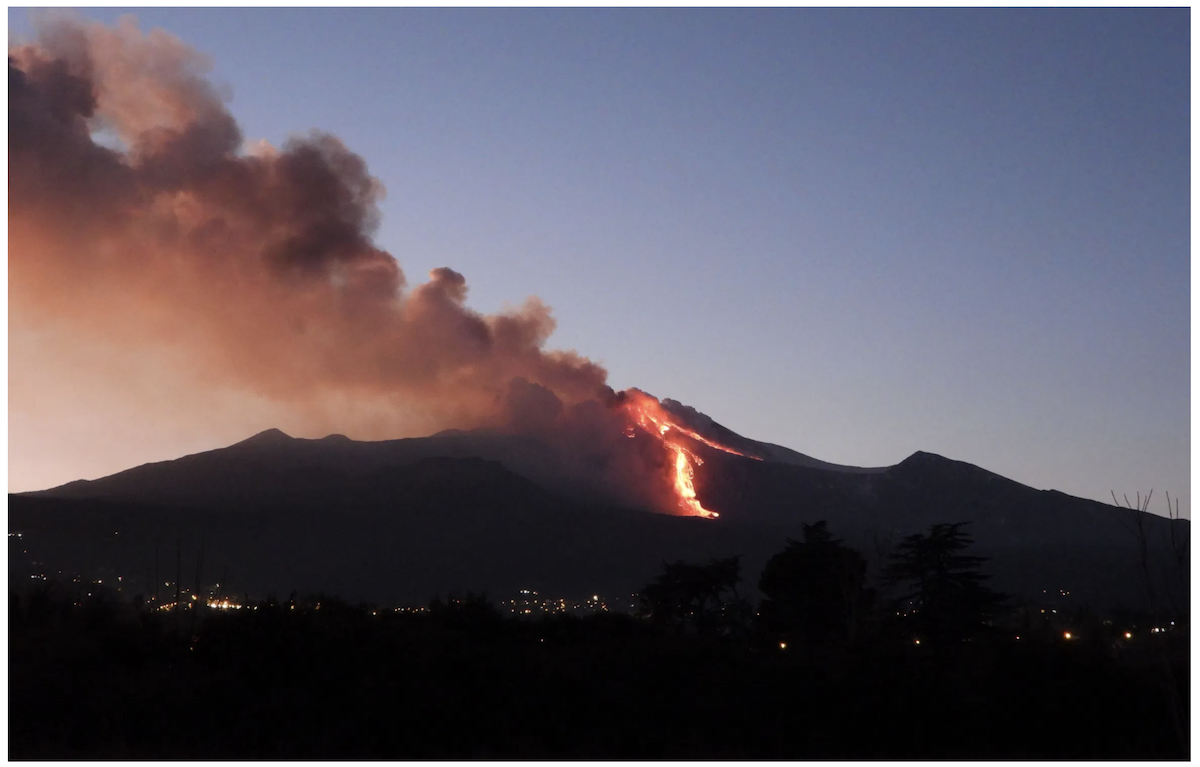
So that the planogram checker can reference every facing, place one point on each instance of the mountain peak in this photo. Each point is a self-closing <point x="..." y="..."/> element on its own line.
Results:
<point x="268" y="437"/>
<point x="925" y="458"/>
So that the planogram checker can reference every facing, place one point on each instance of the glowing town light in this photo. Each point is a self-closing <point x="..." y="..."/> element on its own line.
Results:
<point x="1128" y="635"/>
<point x="783" y="645"/>
<point x="1066" y="635"/>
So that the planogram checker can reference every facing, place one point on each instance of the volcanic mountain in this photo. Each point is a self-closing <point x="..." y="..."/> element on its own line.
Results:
<point x="401" y="520"/>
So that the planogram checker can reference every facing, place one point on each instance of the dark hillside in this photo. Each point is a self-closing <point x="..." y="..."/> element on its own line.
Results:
<point x="482" y="511"/>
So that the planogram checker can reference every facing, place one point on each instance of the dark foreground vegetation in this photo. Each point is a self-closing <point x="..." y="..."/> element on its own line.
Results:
<point x="824" y="668"/>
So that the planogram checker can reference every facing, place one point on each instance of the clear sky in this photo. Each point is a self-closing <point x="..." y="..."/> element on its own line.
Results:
<point x="855" y="233"/>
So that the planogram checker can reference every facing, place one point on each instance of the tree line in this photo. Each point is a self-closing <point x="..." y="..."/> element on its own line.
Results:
<point x="825" y="666"/>
<point x="817" y="593"/>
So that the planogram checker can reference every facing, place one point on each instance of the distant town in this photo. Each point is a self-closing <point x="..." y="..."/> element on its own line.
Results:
<point x="1053" y="613"/>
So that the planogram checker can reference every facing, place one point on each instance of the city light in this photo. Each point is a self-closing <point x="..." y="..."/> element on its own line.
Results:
<point x="1066" y="635"/>
<point x="1128" y="635"/>
<point x="783" y="645"/>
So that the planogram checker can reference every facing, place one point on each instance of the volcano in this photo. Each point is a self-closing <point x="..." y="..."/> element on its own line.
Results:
<point x="497" y="511"/>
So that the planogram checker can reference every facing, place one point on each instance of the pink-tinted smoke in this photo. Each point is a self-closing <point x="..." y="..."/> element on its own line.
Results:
<point x="257" y="270"/>
<point x="186" y="284"/>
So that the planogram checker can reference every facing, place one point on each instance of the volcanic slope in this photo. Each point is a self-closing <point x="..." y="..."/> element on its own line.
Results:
<point x="403" y="519"/>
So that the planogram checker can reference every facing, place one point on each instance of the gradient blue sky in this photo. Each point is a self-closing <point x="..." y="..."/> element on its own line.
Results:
<point x="856" y="233"/>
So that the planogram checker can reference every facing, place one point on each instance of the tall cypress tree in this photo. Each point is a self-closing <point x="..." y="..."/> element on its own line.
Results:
<point x="945" y="586"/>
<point x="815" y="589"/>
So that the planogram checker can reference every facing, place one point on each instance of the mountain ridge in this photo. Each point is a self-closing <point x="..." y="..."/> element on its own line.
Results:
<point x="489" y="510"/>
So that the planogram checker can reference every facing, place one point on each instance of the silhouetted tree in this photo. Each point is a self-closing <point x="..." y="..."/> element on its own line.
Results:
<point x="815" y="589"/>
<point x="1171" y="553"/>
<point x="702" y="598"/>
<point x="1175" y="571"/>
<point x="946" y="588"/>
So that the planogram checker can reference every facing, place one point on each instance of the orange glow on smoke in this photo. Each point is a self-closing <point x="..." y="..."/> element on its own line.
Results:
<point x="650" y="417"/>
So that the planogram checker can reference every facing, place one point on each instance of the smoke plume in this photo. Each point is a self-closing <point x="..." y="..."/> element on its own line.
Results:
<point x="168" y="279"/>
<point x="256" y="270"/>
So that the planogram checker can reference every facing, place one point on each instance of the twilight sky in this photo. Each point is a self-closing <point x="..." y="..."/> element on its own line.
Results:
<point x="855" y="233"/>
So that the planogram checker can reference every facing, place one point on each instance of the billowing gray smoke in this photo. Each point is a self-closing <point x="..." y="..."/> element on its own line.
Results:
<point x="184" y="263"/>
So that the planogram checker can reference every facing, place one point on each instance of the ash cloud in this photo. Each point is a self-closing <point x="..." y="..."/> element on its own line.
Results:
<point x="185" y="283"/>
<point x="260" y="265"/>
<point x="184" y="264"/>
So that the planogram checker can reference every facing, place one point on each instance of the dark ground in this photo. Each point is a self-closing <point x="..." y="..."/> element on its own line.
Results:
<point x="105" y="681"/>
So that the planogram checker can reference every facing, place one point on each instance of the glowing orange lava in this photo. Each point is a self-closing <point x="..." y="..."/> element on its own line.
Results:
<point x="684" y="487"/>
<point x="651" y="418"/>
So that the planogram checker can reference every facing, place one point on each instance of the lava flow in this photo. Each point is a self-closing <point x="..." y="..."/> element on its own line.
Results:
<point x="684" y="487"/>
<point x="650" y="417"/>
